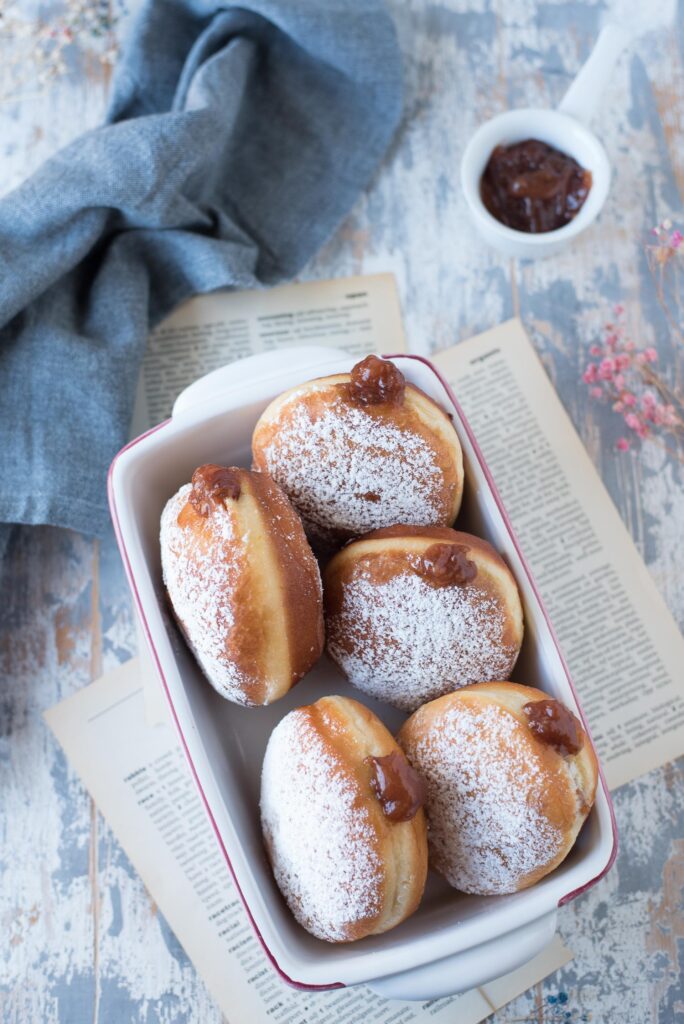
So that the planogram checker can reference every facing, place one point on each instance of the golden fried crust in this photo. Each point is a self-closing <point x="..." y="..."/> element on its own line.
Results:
<point x="285" y="444"/>
<point x="299" y="576"/>
<point x="362" y="600"/>
<point x="245" y="589"/>
<point x="553" y="791"/>
<point x="346" y="734"/>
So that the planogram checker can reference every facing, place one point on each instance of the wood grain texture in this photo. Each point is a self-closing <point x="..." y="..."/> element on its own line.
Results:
<point x="83" y="942"/>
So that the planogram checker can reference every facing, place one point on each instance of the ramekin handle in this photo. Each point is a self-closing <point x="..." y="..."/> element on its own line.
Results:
<point x="310" y="360"/>
<point x="472" y="967"/>
<point x="584" y="94"/>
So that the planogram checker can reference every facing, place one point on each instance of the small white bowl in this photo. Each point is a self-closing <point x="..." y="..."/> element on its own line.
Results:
<point x="564" y="129"/>
<point x="558" y="130"/>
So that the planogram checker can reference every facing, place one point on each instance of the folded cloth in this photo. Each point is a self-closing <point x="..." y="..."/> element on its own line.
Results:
<point x="237" y="139"/>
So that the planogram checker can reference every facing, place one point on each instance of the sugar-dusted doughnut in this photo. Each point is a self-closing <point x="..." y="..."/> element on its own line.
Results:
<point x="243" y="582"/>
<point x="361" y="450"/>
<point x="510" y="776"/>
<point x="343" y="824"/>
<point x="413" y="612"/>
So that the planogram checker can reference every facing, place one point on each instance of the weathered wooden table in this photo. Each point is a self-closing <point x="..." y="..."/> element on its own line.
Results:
<point x="81" y="940"/>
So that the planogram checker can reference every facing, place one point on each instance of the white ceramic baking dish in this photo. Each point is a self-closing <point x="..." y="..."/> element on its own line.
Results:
<point x="453" y="941"/>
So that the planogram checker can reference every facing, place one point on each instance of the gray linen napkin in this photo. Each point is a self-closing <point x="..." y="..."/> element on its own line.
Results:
<point x="237" y="139"/>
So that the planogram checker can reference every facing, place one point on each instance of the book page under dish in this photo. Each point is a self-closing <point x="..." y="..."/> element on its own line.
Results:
<point x="137" y="775"/>
<point x="358" y="314"/>
<point x="623" y="647"/>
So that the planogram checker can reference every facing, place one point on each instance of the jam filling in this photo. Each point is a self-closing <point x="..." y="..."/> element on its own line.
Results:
<point x="377" y="381"/>
<point x="212" y="485"/>
<point x="532" y="187"/>
<point x="552" y="723"/>
<point x="446" y="565"/>
<point x="400" y="789"/>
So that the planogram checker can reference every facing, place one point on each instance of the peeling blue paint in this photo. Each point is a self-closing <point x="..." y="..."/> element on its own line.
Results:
<point x="117" y="917"/>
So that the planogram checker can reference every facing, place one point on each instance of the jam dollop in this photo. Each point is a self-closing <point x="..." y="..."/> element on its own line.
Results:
<point x="446" y="565"/>
<point x="533" y="187"/>
<point x="212" y="484"/>
<point x="552" y="723"/>
<point x="399" y="788"/>
<point x="376" y="381"/>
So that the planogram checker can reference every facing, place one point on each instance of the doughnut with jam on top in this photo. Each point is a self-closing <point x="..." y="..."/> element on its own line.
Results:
<point x="358" y="451"/>
<point x="243" y="583"/>
<point x="343" y="821"/>
<point x="510" y="778"/>
<point x="413" y="612"/>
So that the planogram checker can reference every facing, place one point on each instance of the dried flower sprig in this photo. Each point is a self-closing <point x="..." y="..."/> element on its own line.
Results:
<point x="665" y="256"/>
<point x="34" y="52"/>
<point x="670" y="241"/>
<point x="624" y="375"/>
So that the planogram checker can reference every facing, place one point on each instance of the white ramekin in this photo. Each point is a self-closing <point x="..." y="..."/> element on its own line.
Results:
<point x="565" y="129"/>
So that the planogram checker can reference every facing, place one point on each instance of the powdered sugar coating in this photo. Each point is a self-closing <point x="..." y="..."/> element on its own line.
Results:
<point x="406" y="642"/>
<point x="485" y="785"/>
<point x="199" y="583"/>
<point x="348" y="470"/>
<point x="318" y="831"/>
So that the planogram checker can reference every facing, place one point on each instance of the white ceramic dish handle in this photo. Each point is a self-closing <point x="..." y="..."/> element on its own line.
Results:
<point x="582" y="98"/>
<point x="470" y="968"/>
<point x="260" y="367"/>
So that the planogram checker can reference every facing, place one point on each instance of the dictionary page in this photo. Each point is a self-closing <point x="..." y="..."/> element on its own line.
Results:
<point x="622" y="645"/>
<point x="358" y="314"/>
<point x="139" y="779"/>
